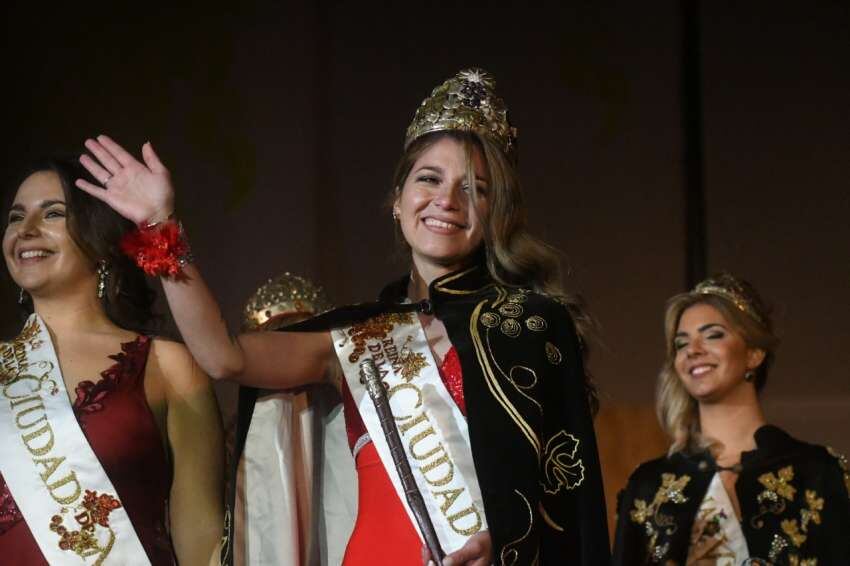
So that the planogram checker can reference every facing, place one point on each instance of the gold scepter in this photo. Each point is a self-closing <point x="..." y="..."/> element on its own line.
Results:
<point x="375" y="388"/>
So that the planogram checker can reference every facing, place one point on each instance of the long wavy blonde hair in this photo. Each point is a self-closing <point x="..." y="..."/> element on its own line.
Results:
<point x="514" y="257"/>
<point x="677" y="411"/>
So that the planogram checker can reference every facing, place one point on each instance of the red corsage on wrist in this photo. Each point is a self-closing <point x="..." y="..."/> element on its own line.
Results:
<point x="159" y="249"/>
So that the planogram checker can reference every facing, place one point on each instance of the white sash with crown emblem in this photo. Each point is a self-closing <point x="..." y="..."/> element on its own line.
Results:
<point x="432" y="428"/>
<point x="59" y="485"/>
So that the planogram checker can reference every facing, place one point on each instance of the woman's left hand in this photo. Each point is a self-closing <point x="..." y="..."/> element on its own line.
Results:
<point x="478" y="551"/>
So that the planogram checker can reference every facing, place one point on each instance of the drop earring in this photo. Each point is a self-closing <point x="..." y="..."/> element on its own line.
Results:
<point x="102" y="274"/>
<point x="22" y="298"/>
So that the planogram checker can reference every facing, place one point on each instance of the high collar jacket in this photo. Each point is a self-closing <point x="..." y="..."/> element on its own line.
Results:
<point x="793" y="496"/>
<point x="530" y="426"/>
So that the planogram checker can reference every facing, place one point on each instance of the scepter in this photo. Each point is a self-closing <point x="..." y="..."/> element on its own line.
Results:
<point x="375" y="388"/>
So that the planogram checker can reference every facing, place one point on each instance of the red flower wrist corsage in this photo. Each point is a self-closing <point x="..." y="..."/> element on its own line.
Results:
<point x="159" y="249"/>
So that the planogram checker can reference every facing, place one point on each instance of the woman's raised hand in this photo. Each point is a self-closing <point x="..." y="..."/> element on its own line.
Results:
<point x="141" y="192"/>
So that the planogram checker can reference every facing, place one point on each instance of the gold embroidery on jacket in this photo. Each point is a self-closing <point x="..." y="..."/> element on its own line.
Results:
<point x="553" y="354"/>
<point x="510" y="556"/>
<point x="561" y="466"/>
<point x="794" y="533"/>
<point x="653" y="520"/>
<point x="548" y="519"/>
<point x="493" y="384"/>
<point x="778" y="489"/>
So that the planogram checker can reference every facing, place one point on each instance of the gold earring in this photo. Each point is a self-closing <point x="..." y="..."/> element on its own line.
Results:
<point x="102" y="274"/>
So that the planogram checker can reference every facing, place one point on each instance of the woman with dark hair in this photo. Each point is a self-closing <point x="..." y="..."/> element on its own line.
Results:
<point x="100" y="462"/>
<point x="478" y="347"/>
<point x="733" y="489"/>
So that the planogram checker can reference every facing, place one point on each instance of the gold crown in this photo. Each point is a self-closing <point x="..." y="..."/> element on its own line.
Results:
<point x="735" y="291"/>
<point x="284" y="295"/>
<point x="466" y="102"/>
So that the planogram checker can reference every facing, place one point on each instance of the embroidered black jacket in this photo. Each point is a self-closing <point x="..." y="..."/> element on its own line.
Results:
<point x="794" y="503"/>
<point x="530" y="425"/>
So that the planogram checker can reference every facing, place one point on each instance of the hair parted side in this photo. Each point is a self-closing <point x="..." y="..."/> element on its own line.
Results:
<point x="677" y="411"/>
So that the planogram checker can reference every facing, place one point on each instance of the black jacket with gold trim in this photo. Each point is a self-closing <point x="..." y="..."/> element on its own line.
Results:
<point x="530" y="425"/>
<point x="794" y="503"/>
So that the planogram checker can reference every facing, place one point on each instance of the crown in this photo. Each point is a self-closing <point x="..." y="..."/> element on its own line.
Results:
<point x="737" y="292"/>
<point x="280" y="296"/>
<point x="466" y="102"/>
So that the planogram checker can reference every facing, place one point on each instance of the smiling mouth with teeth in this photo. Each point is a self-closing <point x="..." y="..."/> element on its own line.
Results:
<point x="442" y="224"/>
<point x="32" y="254"/>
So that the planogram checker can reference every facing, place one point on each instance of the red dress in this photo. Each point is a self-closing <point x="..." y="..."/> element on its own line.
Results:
<point x="383" y="533"/>
<point x="120" y="427"/>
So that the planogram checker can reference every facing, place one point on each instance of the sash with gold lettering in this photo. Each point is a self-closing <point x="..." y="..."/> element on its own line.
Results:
<point x="65" y="496"/>
<point x="432" y="428"/>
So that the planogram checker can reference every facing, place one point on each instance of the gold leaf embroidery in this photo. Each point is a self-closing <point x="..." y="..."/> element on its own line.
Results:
<point x="790" y="528"/>
<point x="490" y="319"/>
<point x="814" y="506"/>
<point x="561" y="467"/>
<point x="650" y="516"/>
<point x="411" y="363"/>
<point x="779" y="485"/>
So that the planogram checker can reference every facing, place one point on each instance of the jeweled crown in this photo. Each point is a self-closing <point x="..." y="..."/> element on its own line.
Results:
<point x="736" y="291"/>
<point x="466" y="102"/>
<point x="282" y="296"/>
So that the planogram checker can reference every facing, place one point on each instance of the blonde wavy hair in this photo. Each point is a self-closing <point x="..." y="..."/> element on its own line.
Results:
<point x="514" y="257"/>
<point x="677" y="411"/>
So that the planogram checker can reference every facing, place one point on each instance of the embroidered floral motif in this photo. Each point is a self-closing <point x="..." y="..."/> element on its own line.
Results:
<point x="814" y="505"/>
<point x="793" y="560"/>
<point x="376" y="328"/>
<point x="561" y="467"/>
<point x="655" y="522"/>
<point x="778" y="485"/>
<point x="411" y="363"/>
<point x="790" y="528"/>
<point x="845" y="467"/>
<point x="778" y="490"/>
<point x="85" y="542"/>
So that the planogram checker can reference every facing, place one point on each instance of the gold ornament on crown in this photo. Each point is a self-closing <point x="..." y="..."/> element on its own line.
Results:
<point x="466" y="102"/>
<point x="729" y="288"/>
<point x="283" y="296"/>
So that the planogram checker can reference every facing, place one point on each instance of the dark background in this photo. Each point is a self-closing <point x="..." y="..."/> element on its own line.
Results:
<point x="282" y="122"/>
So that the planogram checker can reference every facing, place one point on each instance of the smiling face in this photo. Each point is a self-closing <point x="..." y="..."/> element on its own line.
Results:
<point x="440" y="214"/>
<point x="711" y="356"/>
<point x="40" y="253"/>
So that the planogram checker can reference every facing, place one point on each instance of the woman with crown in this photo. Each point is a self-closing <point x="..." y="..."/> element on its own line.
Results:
<point x="478" y="348"/>
<point x="110" y="438"/>
<point x="733" y="489"/>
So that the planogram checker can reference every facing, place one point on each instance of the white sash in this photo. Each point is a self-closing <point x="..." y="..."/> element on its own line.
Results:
<point x="432" y="428"/>
<point x="59" y="485"/>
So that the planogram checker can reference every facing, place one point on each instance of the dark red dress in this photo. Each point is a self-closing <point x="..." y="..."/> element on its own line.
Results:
<point x="120" y="427"/>
<point x="383" y="533"/>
